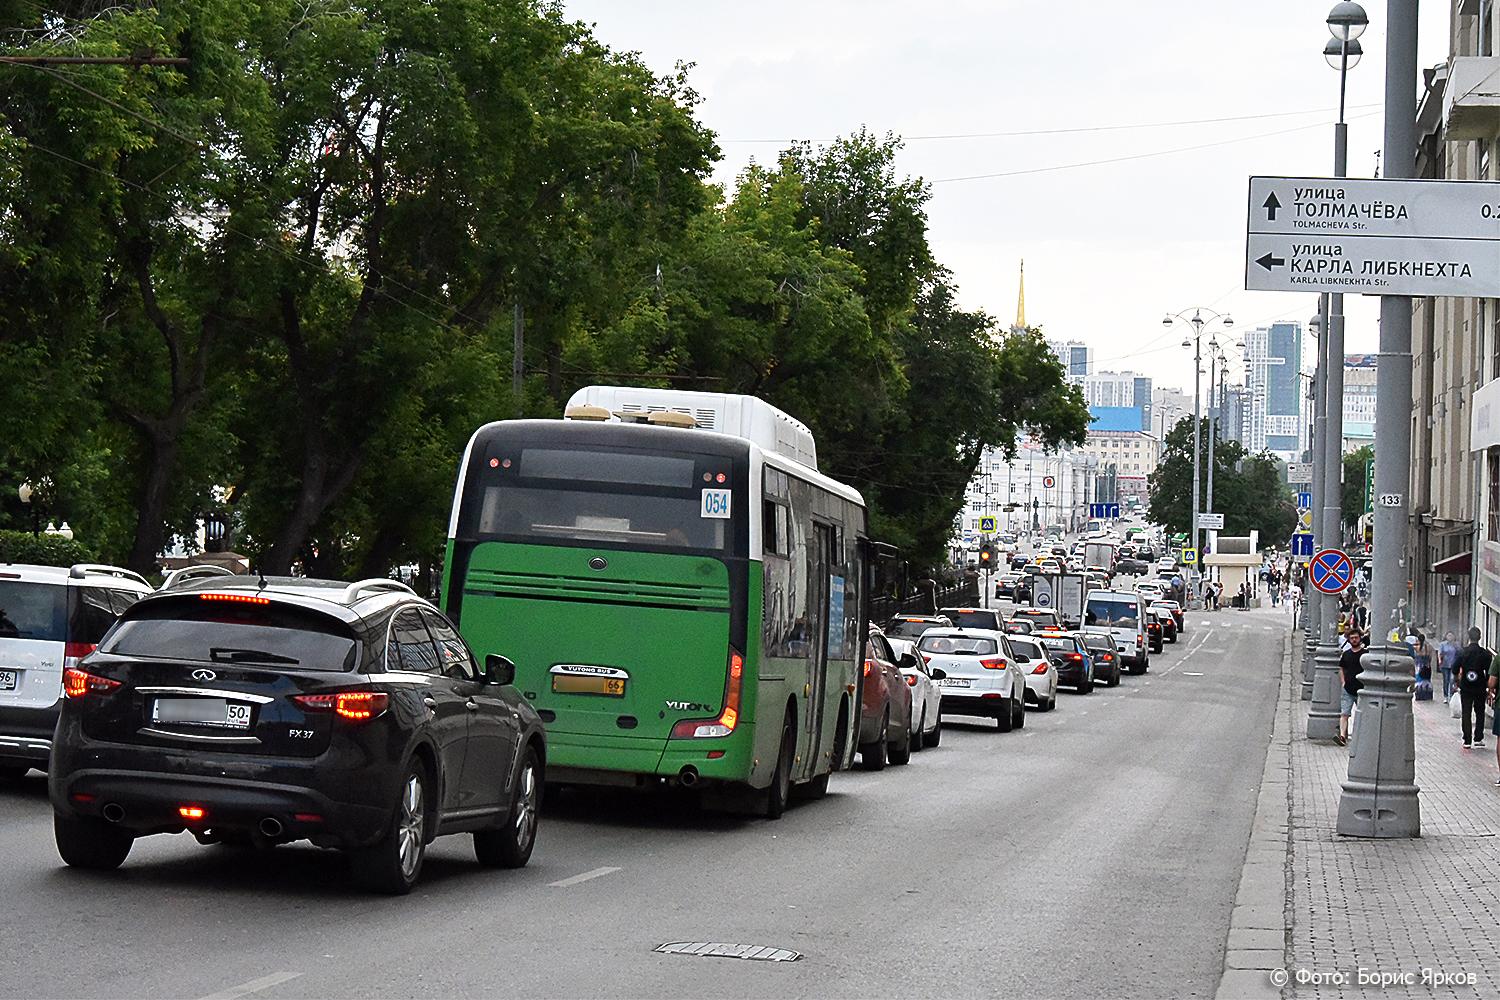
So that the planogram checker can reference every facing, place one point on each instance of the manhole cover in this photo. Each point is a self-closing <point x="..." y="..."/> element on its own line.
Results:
<point x="718" y="949"/>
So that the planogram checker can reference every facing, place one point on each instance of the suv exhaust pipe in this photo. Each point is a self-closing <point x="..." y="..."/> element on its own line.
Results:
<point x="113" y="812"/>
<point x="270" y="828"/>
<point x="688" y="776"/>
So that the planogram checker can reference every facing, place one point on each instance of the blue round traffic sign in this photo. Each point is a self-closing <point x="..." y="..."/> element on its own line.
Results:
<point x="1331" y="571"/>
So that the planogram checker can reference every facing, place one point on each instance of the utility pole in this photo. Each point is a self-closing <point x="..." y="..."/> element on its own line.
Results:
<point x="1379" y="797"/>
<point x="1213" y="375"/>
<point x="1323" y="713"/>
<point x="1315" y="599"/>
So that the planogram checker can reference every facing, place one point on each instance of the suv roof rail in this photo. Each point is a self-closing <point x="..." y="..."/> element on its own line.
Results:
<point x="80" y="570"/>
<point x="192" y="573"/>
<point x="377" y="583"/>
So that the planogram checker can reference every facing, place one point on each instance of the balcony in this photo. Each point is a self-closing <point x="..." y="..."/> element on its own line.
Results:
<point x="1471" y="100"/>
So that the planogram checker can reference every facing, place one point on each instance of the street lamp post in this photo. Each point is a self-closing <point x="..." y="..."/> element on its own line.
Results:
<point x="1197" y="321"/>
<point x="1347" y="21"/>
<point x="1312" y="621"/>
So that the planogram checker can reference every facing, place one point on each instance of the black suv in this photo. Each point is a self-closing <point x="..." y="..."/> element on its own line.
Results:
<point x="260" y="712"/>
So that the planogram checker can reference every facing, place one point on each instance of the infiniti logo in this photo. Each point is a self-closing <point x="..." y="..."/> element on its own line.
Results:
<point x="204" y="675"/>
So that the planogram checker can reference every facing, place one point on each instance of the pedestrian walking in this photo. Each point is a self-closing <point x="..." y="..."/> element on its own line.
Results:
<point x="1474" y="664"/>
<point x="1447" y="657"/>
<point x="1349" y="671"/>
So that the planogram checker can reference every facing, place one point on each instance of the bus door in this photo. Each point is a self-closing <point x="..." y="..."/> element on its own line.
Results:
<point x="827" y="603"/>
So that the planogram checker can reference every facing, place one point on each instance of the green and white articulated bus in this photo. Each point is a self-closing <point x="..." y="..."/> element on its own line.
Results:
<point x="681" y="591"/>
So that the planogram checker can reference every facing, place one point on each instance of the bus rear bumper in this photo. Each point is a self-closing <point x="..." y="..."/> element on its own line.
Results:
<point x="575" y="758"/>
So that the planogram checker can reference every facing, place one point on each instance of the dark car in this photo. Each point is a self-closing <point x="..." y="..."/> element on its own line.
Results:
<point x="1168" y="618"/>
<point x="911" y="626"/>
<point x="885" y="706"/>
<point x="1155" y="635"/>
<point x="250" y="711"/>
<point x="1106" y="656"/>
<point x="974" y="618"/>
<point x="1075" y="667"/>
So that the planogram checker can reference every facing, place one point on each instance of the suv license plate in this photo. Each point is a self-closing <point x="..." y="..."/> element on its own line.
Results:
<point x="202" y="711"/>
<point x="8" y="680"/>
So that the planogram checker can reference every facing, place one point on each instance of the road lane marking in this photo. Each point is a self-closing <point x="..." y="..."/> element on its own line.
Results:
<point x="253" y="986"/>
<point x="1189" y="673"/>
<point x="586" y="876"/>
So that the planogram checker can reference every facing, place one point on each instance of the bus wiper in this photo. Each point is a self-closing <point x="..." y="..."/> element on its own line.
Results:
<point x="225" y="654"/>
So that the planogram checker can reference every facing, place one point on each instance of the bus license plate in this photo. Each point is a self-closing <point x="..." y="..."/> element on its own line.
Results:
<point x="201" y="711"/>
<point x="613" y="687"/>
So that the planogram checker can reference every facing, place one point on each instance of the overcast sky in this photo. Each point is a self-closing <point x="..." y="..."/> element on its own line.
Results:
<point x="1109" y="247"/>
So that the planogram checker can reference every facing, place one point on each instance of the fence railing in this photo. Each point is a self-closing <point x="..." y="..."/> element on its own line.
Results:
<point x="925" y="599"/>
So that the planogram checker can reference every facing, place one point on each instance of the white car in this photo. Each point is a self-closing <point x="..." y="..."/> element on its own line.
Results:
<point x="926" y="695"/>
<point x="1037" y="669"/>
<point x="980" y="674"/>
<point x="1166" y="564"/>
<point x="1152" y="590"/>
<point x="50" y="618"/>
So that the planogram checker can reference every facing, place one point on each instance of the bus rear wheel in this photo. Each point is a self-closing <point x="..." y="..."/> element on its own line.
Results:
<point x="781" y="781"/>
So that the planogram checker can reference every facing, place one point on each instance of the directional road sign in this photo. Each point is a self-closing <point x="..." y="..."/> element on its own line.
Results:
<point x="1331" y="571"/>
<point x="987" y="525"/>
<point x="1302" y="545"/>
<point x="1374" y="237"/>
<point x="1211" y="522"/>
<point x="1299" y="472"/>
<point x="1304" y="500"/>
<point x="1105" y="510"/>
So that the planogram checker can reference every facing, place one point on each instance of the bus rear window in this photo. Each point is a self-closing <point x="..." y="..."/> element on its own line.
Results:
<point x="523" y="513"/>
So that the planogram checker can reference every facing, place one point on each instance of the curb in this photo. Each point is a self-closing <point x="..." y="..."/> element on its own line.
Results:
<point x="1260" y="932"/>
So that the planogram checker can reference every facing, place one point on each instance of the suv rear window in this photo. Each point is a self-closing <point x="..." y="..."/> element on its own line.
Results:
<point x="277" y="636"/>
<point x="958" y="645"/>
<point x="33" y="611"/>
<point x="1107" y="613"/>
<point x="974" y="619"/>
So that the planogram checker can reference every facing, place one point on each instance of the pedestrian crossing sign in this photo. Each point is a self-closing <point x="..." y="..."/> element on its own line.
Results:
<point x="987" y="525"/>
<point x="1190" y="557"/>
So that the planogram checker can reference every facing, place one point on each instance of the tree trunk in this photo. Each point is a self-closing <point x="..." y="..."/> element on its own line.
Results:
<point x="151" y="504"/>
<point x="321" y="484"/>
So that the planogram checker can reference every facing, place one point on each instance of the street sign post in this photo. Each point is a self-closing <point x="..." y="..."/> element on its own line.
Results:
<point x="1331" y="571"/>
<point x="1373" y="237"/>
<point x="1299" y="472"/>
<point x="987" y="524"/>
<point x="1211" y="522"/>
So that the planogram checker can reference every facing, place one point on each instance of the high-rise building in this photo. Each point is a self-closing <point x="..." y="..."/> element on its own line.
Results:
<point x="1077" y="357"/>
<point x="1359" y="400"/>
<point x="1113" y="389"/>
<point x="1273" y="379"/>
<point x="1168" y="406"/>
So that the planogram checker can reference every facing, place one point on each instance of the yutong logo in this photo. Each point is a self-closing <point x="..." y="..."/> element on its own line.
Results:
<point x="687" y="706"/>
<point x="204" y="675"/>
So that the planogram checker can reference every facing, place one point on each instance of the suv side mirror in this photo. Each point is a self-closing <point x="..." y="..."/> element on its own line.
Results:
<point x="938" y="673"/>
<point x="499" y="670"/>
<point x="908" y="661"/>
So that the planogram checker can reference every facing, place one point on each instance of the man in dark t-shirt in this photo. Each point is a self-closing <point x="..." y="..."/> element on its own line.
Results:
<point x="1473" y="669"/>
<point x="1349" y="671"/>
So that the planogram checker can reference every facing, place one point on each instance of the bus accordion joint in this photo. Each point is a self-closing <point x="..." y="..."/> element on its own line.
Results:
<point x="728" y="718"/>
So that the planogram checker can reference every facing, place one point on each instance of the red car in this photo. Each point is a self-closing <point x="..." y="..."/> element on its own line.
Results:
<point x="885" y="707"/>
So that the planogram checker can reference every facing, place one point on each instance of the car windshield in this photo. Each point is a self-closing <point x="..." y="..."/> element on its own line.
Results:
<point x="285" y="638"/>
<point x="974" y="619"/>
<point x="33" y="611"/>
<point x="958" y="645"/>
<point x="1113" y="613"/>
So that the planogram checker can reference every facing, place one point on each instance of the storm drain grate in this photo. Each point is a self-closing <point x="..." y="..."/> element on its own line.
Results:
<point x="717" y="949"/>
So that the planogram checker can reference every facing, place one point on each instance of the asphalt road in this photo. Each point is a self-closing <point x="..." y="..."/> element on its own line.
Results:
<point x="1094" y="853"/>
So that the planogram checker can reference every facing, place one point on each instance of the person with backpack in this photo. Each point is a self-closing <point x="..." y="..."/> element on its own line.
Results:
<point x="1473" y="685"/>
<point x="1349" y="671"/>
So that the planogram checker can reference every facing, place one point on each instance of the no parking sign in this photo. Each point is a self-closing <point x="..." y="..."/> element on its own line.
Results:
<point x="1331" y="571"/>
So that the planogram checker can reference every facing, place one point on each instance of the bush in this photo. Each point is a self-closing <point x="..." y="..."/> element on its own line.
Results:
<point x="43" y="550"/>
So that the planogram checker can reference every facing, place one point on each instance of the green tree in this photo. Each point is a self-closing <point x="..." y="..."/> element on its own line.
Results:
<point x="1249" y="490"/>
<point x="1353" y="499"/>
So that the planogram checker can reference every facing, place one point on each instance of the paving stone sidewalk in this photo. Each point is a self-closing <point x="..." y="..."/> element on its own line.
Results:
<point x="1393" y="908"/>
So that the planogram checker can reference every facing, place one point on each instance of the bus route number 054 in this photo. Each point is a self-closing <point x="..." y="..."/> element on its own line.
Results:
<point x="715" y="504"/>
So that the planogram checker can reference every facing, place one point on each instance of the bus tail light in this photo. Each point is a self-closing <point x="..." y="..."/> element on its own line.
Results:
<point x="689" y="729"/>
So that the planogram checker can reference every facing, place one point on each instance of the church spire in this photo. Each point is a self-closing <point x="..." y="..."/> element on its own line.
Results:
<point x="1021" y="301"/>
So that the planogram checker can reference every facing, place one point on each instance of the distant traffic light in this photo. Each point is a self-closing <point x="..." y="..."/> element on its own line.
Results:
<point x="986" y="555"/>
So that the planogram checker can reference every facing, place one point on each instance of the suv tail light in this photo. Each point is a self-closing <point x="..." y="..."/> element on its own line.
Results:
<point x="724" y="725"/>
<point x="76" y="651"/>
<point x="355" y="706"/>
<point x="994" y="664"/>
<point x="80" y="684"/>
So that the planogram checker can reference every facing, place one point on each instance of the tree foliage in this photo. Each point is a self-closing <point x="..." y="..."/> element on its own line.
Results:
<point x="1249" y="490"/>
<point x="282" y="279"/>
<point x="1352" y="499"/>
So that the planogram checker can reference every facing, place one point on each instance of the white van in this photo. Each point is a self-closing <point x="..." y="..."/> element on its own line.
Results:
<point x="1123" y="615"/>
<point x="50" y="618"/>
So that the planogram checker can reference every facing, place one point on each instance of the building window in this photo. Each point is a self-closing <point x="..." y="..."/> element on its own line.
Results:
<point x="1486" y="27"/>
<point x="1493" y="462"/>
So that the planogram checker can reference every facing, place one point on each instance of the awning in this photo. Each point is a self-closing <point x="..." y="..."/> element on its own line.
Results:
<point x="1459" y="565"/>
